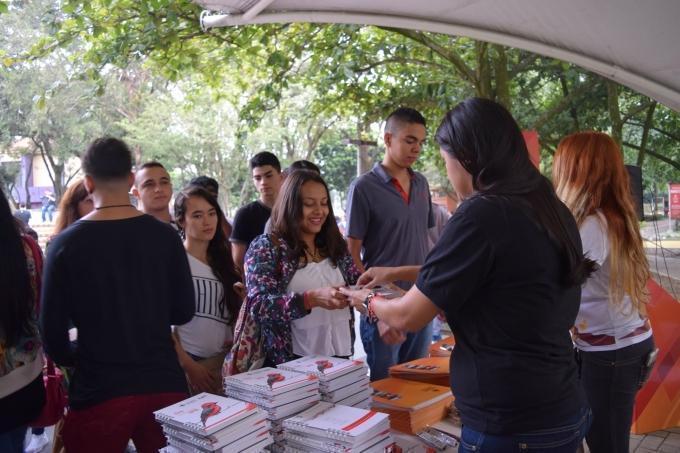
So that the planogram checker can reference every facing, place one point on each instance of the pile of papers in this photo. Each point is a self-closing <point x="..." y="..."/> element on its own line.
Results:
<point x="332" y="428"/>
<point x="341" y="381"/>
<point x="443" y="347"/>
<point x="280" y="393"/>
<point x="411" y="405"/>
<point x="212" y="423"/>
<point x="433" y="370"/>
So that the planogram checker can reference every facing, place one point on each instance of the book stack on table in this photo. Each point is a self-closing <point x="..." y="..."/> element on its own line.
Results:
<point x="432" y="370"/>
<point x="212" y="423"/>
<point x="280" y="393"/>
<point x="341" y="381"/>
<point x="411" y="405"/>
<point x="332" y="428"/>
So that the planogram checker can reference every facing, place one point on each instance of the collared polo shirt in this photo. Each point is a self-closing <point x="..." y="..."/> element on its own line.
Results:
<point x="393" y="228"/>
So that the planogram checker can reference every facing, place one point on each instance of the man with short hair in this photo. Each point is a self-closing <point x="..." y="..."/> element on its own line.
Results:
<point x="153" y="189"/>
<point x="389" y="212"/>
<point x="208" y="183"/>
<point x="250" y="220"/>
<point x="23" y="214"/>
<point x="123" y="279"/>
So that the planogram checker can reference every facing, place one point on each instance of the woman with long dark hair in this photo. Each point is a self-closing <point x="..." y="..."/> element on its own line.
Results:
<point x="612" y="332"/>
<point x="22" y="394"/>
<point x="293" y="275"/>
<point x="203" y="342"/>
<point x="506" y="272"/>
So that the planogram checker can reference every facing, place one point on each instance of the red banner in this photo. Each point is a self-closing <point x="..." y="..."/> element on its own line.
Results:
<point x="674" y="201"/>
<point x="531" y="139"/>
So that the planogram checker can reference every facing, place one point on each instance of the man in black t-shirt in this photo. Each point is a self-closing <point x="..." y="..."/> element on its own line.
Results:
<point x="123" y="279"/>
<point x="250" y="220"/>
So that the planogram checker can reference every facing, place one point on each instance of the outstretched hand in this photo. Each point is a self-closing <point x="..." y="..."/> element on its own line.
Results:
<point x="330" y="298"/>
<point x="375" y="276"/>
<point x="356" y="297"/>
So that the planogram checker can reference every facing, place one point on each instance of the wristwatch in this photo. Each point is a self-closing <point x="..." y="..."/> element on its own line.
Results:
<point x="368" y="299"/>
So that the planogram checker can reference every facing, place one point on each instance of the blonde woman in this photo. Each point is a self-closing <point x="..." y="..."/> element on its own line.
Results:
<point x="612" y="332"/>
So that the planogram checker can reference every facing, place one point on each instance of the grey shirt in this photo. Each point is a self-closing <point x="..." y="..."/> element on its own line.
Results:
<point x="393" y="233"/>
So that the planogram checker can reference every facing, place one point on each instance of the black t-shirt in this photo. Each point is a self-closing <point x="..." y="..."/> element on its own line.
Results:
<point x="249" y="222"/>
<point x="496" y="276"/>
<point x="123" y="283"/>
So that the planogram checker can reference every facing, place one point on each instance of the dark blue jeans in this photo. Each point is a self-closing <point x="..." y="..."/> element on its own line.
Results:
<point x="611" y="380"/>
<point x="381" y="356"/>
<point x="560" y="439"/>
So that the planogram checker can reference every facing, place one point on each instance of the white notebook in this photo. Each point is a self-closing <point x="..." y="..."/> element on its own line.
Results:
<point x="205" y="413"/>
<point x="270" y="381"/>
<point x="222" y="437"/>
<point x="347" y="424"/>
<point x="324" y="367"/>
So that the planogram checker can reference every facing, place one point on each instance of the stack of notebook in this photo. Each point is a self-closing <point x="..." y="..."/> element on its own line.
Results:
<point x="341" y="381"/>
<point x="443" y="347"/>
<point x="433" y="370"/>
<point x="332" y="428"/>
<point x="281" y="393"/>
<point x="411" y="405"/>
<point x="212" y="423"/>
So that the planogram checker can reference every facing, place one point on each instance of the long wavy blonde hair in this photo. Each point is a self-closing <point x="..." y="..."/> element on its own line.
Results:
<point x="589" y="175"/>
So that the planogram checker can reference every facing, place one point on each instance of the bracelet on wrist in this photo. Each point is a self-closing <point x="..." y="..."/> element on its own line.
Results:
<point x="369" y="309"/>
<point x="307" y="300"/>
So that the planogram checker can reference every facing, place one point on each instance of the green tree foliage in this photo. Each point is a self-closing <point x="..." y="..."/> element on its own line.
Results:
<point x="355" y="75"/>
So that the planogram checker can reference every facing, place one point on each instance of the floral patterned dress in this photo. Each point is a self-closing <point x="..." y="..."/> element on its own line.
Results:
<point x="269" y="268"/>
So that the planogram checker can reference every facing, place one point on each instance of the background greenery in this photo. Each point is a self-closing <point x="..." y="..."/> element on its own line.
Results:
<point x="203" y="102"/>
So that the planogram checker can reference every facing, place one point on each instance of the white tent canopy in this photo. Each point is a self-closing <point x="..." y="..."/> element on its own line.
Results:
<point x="636" y="43"/>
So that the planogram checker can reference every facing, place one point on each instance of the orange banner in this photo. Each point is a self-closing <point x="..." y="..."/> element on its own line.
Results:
<point x="658" y="403"/>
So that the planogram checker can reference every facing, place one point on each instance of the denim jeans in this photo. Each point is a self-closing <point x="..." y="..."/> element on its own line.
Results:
<point x="381" y="356"/>
<point x="565" y="438"/>
<point x="611" y="380"/>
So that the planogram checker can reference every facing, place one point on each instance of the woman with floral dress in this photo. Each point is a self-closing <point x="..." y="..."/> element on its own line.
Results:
<point x="293" y="276"/>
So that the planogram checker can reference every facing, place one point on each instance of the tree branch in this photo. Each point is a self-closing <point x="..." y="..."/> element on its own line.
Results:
<point x="400" y="61"/>
<point x="465" y="71"/>
<point x="661" y="157"/>
<point x="635" y="111"/>
<point x="564" y="103"/>
<point x="660" y="131"/>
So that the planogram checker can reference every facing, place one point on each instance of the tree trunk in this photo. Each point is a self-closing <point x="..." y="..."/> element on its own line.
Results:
<point x="502" y="79"/>
<point x="649" y="122"/>
<point x="483" y="86"/>
<point x="614" y="112"/>
<point x="27" y="180"/>
<point x="363" y="159"/>
<point x="572" y="108"/>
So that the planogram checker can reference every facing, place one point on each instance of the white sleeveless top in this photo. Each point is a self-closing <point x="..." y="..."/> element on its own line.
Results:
<point x="324" y="332"/>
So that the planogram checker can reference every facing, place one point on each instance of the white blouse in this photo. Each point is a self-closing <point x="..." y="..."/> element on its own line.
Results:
<point x="323" y="332"/>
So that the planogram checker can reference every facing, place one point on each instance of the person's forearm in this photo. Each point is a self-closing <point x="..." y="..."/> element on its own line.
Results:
<point x="404" y="273"/>
<point x="391" y="312"/>
<point x="354" y="246"/>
